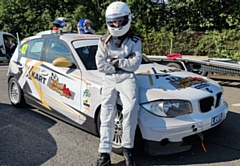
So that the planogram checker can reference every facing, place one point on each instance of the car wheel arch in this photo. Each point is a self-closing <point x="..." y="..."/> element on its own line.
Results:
<point x="138" y="141"/>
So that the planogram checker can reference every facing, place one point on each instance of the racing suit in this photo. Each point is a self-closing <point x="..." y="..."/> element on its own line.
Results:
<point x="118" y="79"/>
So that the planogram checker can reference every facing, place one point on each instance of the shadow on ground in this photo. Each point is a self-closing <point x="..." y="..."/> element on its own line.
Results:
<point x="224" y="146"/>
<point x="24" y="137"/>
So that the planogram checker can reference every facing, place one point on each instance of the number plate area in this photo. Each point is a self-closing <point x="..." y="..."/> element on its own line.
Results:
<point x="216" y="119"/>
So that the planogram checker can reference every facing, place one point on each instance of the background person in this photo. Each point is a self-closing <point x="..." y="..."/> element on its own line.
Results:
<point x="119" y="54"/>
<point x="10" y="47"/>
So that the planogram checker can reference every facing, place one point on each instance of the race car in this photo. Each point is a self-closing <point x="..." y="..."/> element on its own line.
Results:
<point x="57" y="74"/>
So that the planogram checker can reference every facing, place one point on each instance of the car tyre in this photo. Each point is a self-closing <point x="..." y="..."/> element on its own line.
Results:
<point x="15" y="93"/>
<point x="117" y="139"/>
<point x="174" y="65"/>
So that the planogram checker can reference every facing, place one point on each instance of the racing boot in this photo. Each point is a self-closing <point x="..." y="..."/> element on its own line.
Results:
<point x="104" y="160"/>
<point x="129" y="159"/>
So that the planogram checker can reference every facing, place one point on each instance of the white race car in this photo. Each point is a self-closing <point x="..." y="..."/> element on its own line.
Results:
<point x="56" y="73"/>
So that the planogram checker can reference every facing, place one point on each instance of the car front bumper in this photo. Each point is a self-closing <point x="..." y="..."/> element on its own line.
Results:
<point x="173" y="135"/>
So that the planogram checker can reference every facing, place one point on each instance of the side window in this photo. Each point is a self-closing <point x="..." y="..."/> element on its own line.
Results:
<point x="56" y="49"/>
<point x="87" y="55"/>
<point x="33" y="49"/>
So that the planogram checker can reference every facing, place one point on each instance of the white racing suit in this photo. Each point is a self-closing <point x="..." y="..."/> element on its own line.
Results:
<point x="120" y="81"/>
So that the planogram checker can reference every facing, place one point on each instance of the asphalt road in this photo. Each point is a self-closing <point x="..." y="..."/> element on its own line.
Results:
<point x="30" y="137"/>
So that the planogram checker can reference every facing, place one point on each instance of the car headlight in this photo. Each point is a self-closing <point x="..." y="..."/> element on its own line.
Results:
<point x="168" y="108"/>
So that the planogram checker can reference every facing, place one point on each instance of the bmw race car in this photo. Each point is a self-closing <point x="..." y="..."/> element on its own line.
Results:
<point x="57" y="74"/>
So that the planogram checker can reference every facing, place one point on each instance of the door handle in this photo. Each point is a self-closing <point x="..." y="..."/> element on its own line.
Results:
<point x="43" y="73"/>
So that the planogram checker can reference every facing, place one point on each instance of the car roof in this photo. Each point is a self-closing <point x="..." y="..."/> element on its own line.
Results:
<point x="64" y="36"/>
<point x="71" y="36"/>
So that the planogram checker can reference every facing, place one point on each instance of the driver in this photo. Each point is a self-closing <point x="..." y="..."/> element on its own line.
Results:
<point x="119" y="55"/>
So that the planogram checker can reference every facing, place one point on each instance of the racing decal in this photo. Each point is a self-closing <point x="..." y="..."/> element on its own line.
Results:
<point x="61" y="88"/>
<point x="32" y="74"/>
<point x="64" y="105"/>
<point x="28" y="73"/>
<point x="24" y="49"/>
<point x="36" y="84"/>
<point x="155" y="72"/>
<point x="86" y="98"/>
<point x="169" y="70"/>
<point x="179" y="82"/>
<point x="148" y="73"/>
<point x="86" y="37"/>
<point x="201" y="86"/>
<point x="28" y="69"/>
<point x="209" y="90"/>
<point x="54" y="71"/>
<point x="38" y="77"/>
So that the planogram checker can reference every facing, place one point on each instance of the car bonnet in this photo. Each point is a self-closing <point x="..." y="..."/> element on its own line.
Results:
<point x="161" y="82"/>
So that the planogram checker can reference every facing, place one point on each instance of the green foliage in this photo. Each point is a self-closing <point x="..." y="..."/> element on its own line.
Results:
<point x="164" y="27"/>
<point x="225" y="44"/>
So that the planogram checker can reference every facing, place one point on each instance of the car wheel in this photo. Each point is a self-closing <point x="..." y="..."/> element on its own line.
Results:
<point x="117" y="138"/>
<point x="15" y="93"/>
<point x="175" y="65"/>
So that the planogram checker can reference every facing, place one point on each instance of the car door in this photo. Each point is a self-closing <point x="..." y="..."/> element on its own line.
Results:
<point x="62" y="88"/>
<point x="30" y="80"/>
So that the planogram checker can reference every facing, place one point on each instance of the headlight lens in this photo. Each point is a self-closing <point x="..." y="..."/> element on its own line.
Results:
<point x="168" y="108"/>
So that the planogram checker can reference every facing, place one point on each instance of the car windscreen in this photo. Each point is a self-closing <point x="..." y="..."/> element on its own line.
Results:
<point x="87" y="49"/>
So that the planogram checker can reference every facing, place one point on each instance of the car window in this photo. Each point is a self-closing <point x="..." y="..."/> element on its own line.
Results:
<point x="56" y="49"/>
<point x="87" y="49"/>
<point x="87" y="55"/>
<point x="33" y="49"/>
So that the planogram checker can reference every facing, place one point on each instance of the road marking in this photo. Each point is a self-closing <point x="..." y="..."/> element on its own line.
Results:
<point x="3" y="67"/>
<point x="236" y="105"/>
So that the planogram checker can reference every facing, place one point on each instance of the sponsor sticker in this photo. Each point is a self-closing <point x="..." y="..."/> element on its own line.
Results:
<point x="86" y="98"/>
<point x="60" y="88"/>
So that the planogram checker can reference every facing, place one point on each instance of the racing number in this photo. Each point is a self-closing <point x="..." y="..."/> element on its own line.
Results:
<point x="24" y="49"/>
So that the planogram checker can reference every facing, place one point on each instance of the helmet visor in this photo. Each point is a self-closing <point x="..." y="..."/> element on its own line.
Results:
<point x="117" y="21"/>
<point x="57" y="23"/>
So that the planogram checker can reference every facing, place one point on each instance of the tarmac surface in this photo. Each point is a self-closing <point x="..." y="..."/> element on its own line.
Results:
<point x="30" y="137"/>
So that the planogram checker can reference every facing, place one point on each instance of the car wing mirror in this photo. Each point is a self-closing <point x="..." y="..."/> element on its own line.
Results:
<point x="73" y="66"/>
<point x="62" y="62"/>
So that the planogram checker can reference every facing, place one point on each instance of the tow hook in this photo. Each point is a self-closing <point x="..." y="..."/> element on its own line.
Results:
<point x="203" y="146"/>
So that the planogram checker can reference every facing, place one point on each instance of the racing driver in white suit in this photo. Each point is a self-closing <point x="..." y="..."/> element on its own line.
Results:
<point x="119" y="54"/>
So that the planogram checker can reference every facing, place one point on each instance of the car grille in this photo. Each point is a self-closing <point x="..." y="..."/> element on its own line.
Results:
<point x="219" y="95"/>
<point x="207" y="103"/>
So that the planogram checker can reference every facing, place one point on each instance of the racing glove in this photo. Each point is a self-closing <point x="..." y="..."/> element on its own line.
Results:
<point x="114" y="62"/>
<point x="130" y="56"/>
